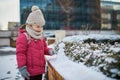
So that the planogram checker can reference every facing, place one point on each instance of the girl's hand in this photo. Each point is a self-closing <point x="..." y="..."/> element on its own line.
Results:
<point x="52" y="52"/>
<point x="24" y="72"/>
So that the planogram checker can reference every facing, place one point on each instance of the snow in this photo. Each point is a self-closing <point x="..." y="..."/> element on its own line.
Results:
<point x="92" y="36"/>
<point x="114" y="70"/>
<point x="8" y="68"/>
<point x="78" y="71"/>
<point x="74" y="71"/>
<point x="7" y="49"/>
<point x="110" y="60"/>
<point x="115" y="49"/>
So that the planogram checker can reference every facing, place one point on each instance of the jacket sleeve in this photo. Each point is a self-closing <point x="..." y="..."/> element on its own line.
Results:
<point x="21" y="49"/>
<point x="46" y="49"/>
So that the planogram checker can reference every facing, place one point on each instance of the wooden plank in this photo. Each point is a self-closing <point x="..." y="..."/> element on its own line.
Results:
<point x="53" y="74"/>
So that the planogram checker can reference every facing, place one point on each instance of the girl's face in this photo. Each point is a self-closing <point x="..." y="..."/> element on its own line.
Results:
<point x="37" y="28"/>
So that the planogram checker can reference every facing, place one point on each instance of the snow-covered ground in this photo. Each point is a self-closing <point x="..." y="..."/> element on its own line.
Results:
<point x="8" y="65"/>
<point x="8" y="68"/>
<point x="7" y="49"/>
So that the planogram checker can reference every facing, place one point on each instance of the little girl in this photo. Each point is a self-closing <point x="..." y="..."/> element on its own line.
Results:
<point x="31" y="46"/>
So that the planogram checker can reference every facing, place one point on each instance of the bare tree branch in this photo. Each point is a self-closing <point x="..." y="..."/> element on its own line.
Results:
<point x="67" y="7"/>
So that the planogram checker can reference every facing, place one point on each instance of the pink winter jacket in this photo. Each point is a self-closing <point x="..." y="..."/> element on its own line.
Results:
<point x="32" y="54"/>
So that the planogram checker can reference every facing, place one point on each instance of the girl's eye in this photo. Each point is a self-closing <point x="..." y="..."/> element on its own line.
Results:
<point x="39" y="26"/>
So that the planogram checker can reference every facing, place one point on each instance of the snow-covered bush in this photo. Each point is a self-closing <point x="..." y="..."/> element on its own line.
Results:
<point x="101" y="54"/>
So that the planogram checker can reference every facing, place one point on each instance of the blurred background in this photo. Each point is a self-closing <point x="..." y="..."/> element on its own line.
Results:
<point x="72" y="16"/>
<point x="60" y="14"/>
<point x="64" y="18"/>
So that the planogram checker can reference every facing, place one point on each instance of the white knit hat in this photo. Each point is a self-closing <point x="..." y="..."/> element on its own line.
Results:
<point x="36" y="17"/>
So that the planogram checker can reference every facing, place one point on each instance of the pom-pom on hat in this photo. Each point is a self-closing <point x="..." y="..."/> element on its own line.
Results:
<point x="35" y="17"/>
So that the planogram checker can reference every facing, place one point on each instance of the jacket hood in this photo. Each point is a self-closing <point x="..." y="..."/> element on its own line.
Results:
<point x="21" y="30"/>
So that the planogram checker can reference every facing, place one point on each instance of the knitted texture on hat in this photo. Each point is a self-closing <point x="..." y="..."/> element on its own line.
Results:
<point x="36" y="17"/>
